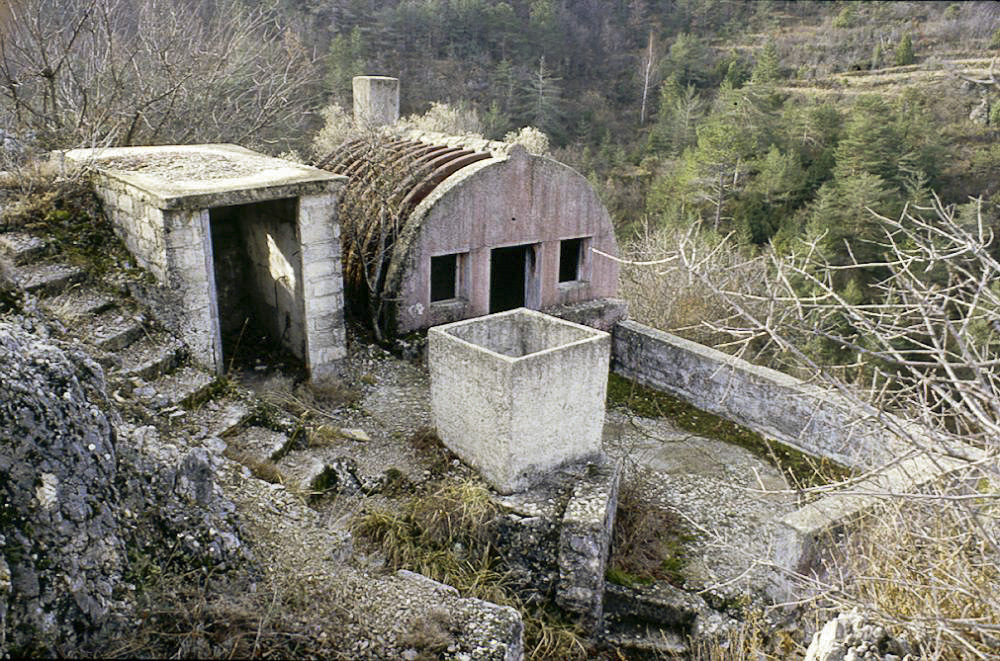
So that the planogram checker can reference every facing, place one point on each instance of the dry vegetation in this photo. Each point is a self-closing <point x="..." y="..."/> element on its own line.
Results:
<point x="445" y="532"/>
<point x="926" y="350"/>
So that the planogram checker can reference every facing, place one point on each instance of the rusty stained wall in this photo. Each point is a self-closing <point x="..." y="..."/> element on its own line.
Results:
<point x="516" y="200"/>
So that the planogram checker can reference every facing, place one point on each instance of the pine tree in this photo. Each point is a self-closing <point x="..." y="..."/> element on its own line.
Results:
<point x="541" y="100"/>
<point x="904" y="51"/>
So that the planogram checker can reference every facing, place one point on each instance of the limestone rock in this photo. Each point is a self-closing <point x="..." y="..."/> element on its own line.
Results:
<point x="62" y="539"/>
<point x="850" y="637"/>
<point x="78" y="488"/>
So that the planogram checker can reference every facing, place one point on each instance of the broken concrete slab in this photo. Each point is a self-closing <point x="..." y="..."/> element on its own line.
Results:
<point x="217" y="417"/>
<point x="259" y="443"/>
<point x="178" y="388"/>
<point x="584" y="542"/>
<point x="302" y="471"/>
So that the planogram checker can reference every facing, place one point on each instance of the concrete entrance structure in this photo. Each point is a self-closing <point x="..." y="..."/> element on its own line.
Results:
<point x="234" y="239"/>
<point x="518" y="393"/>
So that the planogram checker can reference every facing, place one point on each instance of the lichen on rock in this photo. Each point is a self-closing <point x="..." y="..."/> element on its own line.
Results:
<point x="79" y="490"/>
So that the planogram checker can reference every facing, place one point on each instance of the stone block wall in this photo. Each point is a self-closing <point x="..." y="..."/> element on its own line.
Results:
<point x="138" y="222"/>
<point x="322" y="283"/>
<point x="191" y="282"/>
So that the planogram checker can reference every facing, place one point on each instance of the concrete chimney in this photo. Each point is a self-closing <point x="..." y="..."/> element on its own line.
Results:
<point x="376" y="101"/>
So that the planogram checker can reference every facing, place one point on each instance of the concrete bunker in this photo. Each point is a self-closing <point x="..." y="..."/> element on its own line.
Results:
<point x="440" y="228"/>
<point x="519" y="393"/>
<point x="242" y="246"/>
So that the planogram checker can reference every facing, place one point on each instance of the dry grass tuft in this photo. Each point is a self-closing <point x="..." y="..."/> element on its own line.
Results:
<point x="648" y="541"/>
<point x="190" y="614"/>
<point x="445" y="533"/>
<point x="262" y="470"/>
<point x="929" y="567"/>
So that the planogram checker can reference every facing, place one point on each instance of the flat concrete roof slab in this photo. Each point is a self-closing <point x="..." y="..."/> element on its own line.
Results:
<point x="204" y="176"/>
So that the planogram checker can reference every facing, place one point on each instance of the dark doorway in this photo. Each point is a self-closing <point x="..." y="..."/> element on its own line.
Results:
<point x="258" y="274"/>
<point x="511" y="270"/>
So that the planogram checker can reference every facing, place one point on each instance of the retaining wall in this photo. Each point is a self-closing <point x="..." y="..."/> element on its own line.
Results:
<point x="804" y="416"/>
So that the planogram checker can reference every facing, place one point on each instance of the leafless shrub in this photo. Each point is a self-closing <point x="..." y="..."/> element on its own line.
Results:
<point x="925" y="340"/>
<point x="113" y="72"/>
<point x="664" y="276"/>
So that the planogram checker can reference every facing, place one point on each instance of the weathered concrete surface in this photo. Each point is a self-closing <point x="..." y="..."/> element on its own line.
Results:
<point x="511" y="199"/>
<point x="195" y="177"/>
<point x="584" y="541"/>
<point x="601" y="313"/>
<point x="779" y="406"/>
<point x="805" y="533"/>
<point x="518" y="393"/>
<point x="376" y="101"/>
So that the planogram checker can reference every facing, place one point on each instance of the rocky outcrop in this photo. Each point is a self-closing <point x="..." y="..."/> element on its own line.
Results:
<point x="61" y="537"/>
<point x="849" y="637"/>
<point x="79" y="491"/>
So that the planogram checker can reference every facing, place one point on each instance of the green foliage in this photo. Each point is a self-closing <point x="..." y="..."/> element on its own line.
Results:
<point x="904" y="51"/>
<point x="346" y="58"/>
<point x="845" y="18"/>
<point x="995" y="40"/>
<point x="767" y="68"/>
<point x="688" y="61"/>
<point x="541" y="100"/>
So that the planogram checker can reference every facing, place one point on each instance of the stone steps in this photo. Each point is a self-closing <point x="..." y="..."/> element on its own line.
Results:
<point x="217" y="417"/>
<point x="659" y="605"/>
<point x="77" y="302"/>
<point x="21" y="247"/>
<point x="46" y="278"/>
<point x="259" y="444"/>
<point x="641" y="641"/>
<point x="303" y="471"/>
<point x="111" y="330"/>
<point x="179" y="388"/>
<point x="152" y="355"/>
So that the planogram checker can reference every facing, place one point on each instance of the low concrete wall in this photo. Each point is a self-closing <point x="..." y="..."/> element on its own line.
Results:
<point x="585" y="540"/>
<point x="778" y="406"/>
<point x="814" y="420"/>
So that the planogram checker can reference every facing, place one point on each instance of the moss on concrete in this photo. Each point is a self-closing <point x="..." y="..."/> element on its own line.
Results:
<point x="799" y="468"/>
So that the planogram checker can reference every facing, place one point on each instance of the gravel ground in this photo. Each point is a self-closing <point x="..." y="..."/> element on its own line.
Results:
<point x="729" y="498"/>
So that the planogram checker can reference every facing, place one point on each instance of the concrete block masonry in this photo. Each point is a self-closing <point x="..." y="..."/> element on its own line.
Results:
<point x="231" y="237"/>
<point x="519" y="393"/>
<point x="584" y="542"/>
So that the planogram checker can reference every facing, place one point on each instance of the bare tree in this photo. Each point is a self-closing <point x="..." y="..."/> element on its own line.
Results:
<point x="924" y="345"/>
<point x="647" y="76"/>
<point x="116" y="72"/>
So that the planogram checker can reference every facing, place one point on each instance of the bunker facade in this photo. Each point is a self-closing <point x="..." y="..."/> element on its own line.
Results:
<point x="441" y="228"/>
<point x="237" y="241"/>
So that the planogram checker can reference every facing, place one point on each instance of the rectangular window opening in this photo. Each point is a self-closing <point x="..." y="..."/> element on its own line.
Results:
<point x="570" y="260"/>
<point x="446" y="277"/>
